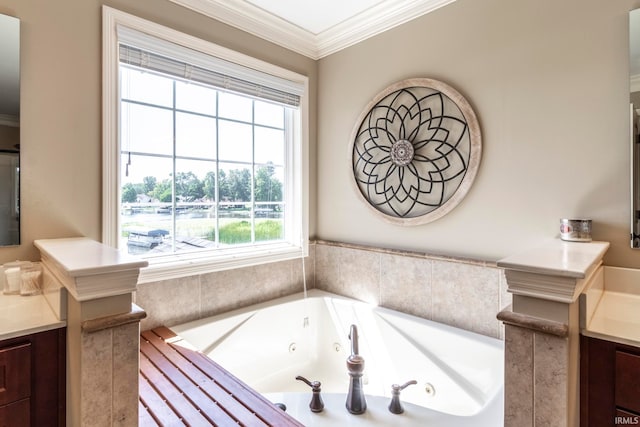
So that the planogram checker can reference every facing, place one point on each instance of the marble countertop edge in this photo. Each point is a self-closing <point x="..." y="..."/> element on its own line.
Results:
<point x="25" y="315"/>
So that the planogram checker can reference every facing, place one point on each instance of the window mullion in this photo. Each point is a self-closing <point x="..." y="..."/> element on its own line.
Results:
<point x="288" y="192"/>
<point x="253" y="172"/>
<point x="217" y="180"/>
<point x="174" y="198"/>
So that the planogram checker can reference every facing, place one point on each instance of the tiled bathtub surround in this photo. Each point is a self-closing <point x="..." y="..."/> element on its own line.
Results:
<point x="462" y="293"/>
<point x="175" y="301"/>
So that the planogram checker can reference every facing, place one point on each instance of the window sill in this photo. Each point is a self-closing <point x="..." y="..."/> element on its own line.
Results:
<point x="191" y="264"/>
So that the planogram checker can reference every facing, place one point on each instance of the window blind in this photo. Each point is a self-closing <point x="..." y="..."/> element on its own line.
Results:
<point x="150" y="53"/>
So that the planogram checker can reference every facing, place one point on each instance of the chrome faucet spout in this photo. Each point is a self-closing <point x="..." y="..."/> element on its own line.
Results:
<point x="353" y="336"/>
<point x="356" y="403"/>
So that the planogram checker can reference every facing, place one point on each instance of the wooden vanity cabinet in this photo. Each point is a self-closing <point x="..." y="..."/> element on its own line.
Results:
<point x="32" y="380"/>
<point x="609" y="383"/>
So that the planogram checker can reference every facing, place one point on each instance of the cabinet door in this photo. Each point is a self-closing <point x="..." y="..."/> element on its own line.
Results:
<point x="15" y="373"/>
<point x="597" y="382"/>
<point x="628" y="381"/>
<point x="15" y="414"/>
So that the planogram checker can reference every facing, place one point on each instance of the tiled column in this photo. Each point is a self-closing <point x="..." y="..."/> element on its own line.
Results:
<point x="542" y="331"/>
<point x="103" y="329"/>
<point x="105" y="378"/>
<point x="537" y="371"/>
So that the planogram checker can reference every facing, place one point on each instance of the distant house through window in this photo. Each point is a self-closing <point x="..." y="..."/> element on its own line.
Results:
<point x="208" y="153"/>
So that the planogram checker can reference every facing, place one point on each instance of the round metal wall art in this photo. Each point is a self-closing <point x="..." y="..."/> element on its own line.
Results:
<point x="415" y="151"/>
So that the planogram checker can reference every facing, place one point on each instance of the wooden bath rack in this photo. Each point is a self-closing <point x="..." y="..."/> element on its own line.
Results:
<point x="180" y="386"/>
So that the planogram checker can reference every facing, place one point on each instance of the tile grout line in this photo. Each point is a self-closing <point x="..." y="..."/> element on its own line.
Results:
<point x="380" y="301"/>
<point x="533" y="378"/>
<point x="431" y="282"/>
<point x="112" y="374"/>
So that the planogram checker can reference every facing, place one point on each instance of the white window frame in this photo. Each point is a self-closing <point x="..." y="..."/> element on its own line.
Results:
<point x="193" y="263"/>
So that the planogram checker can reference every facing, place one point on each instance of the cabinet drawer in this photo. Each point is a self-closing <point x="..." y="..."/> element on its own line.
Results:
<point x="15" y="414"/>
<point x="628" y="381"/>
<point x="15" y="373"/>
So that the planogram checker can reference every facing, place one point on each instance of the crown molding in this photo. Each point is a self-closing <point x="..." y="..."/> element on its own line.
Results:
<point x="373" y="21"/>
<point x="547" y="287"/>
<point x="256" y="21"/>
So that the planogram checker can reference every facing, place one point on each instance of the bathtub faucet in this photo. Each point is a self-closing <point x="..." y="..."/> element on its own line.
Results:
<point x="355" y="365"/>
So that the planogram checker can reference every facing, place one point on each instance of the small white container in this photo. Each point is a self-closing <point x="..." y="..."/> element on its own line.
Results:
<point x="575" y="230"/>
<point x="13" y="279"/>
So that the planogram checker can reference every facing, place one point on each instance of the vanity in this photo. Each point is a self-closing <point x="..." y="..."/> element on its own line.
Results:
<point x="70" y="355"/>
<point x="610" y="349"/>
<point x="610" y="304"/>
<point x="32" y="362"/>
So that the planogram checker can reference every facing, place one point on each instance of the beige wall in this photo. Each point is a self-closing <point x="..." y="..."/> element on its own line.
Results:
<point x="549" y="82"/>
<point x="61" y="106"/>
<point x="546" y="78"/>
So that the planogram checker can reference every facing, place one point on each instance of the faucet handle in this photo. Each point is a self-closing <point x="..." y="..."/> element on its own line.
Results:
<point x="315" y="385"/>
<point x="395" y="406"/>
<point x="316" y="404"/>
<point x="395" y="388"/>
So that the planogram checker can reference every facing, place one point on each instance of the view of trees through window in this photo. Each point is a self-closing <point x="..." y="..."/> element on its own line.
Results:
<point x="200" y="168"/>
<point x="235" y="187"/>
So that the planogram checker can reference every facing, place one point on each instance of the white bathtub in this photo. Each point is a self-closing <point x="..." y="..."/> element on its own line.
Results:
<point x="267" y="345"/>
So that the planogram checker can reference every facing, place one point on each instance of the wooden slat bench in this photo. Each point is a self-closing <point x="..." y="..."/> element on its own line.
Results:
<point x="180" y="386"/>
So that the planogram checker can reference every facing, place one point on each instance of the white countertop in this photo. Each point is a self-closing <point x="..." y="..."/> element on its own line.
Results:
<point x="557" y="258"/>
<point x="616" y="316"/>
<point x="24" y="315"/>
<point x="554" y="271"/>
<point x="88" y="269"/>
<point x="80" y="256"/>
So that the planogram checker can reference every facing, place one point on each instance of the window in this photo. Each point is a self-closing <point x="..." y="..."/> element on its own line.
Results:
<point x="204" y="152"/>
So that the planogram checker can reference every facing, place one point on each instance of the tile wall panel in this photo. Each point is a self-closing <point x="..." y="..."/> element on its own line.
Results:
<point x="463" y="293"/>
<point x="518" y="377"/>
<point x="96" y="371"/>
<point x="175" y="301"/>
<point x="405" y="284"/>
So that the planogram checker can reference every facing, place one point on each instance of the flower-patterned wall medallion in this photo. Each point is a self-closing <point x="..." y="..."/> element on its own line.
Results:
<point x="415" y="151"/>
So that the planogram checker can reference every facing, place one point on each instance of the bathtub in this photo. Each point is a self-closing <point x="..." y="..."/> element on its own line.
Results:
<point x="459" y="373"/>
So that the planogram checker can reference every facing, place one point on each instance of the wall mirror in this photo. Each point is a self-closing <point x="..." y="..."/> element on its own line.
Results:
<point x="9" y="130"/>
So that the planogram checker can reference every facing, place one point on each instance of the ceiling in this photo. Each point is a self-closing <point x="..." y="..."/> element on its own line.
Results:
<point x="314" y="28"/>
